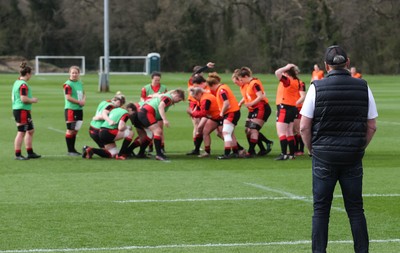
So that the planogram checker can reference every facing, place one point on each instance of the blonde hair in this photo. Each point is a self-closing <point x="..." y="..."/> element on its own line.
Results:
<point x="74" y="67"/>
<point x="235" y="74"/>
<point x="119" y="96"/>
<point x="196" y="90"/>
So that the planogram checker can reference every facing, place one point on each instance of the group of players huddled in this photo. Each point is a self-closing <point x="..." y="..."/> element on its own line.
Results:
<point x="213" y="107"/>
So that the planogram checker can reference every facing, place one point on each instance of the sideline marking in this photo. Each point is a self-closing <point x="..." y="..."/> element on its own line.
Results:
<point x="56" y="130"/>
<point x="389" y="122"/>
<point x="308" y="200"/>
<point x="239" y="199"/>
<point x="208" y="245"/>
<point x="201" y="199"/>
<point x="376" y="195"/>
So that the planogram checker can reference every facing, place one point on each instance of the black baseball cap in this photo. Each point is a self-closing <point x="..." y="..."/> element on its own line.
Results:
<point x="335" y="55"/>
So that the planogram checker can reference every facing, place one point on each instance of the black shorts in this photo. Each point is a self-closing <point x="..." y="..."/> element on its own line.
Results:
<point x="135" y="122"/>
<point x="107" y="136"/>
<point x="23" y="117"/>
<point x="232" y="117"/>
<point x="95" y="135"/>
<point x="286" y="113"/>
<point x="73" y="115"/>
<point x="220" y="121"/>
<point x="147" y="116"/>
<point x="262" y="112"/>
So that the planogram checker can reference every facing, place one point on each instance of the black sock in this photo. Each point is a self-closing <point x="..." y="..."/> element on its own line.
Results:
<point x="70" y="140"/>
<point x="102" y="152"/>
<point x="124" y="147"/>
<point x="284" y="144"/>
<point x="157" y="145"/>
<point x="198" y="141"/>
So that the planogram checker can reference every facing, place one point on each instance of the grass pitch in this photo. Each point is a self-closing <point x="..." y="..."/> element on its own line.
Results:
<point x="69" y="204"/>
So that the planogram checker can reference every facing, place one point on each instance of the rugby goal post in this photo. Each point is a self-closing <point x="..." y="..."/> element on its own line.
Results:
<point x="131" y="65"/>
<point x="58" y="64"/>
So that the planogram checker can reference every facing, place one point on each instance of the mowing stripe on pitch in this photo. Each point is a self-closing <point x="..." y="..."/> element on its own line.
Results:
<point x="182" y="246"/>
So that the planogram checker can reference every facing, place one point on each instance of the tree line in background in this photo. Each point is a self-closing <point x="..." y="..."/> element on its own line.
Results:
<point x="260" y="34"/>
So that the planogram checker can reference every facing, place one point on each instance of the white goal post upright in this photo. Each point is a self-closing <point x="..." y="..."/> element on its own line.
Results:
<point x="58" y="70"/>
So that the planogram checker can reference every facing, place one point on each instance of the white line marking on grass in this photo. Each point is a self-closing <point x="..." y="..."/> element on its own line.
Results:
<point x="201" y="199"/>
<point x="374" y="195"/>
<point x="301" y="198"/>
<point x="54" y="155"/>
<point x="389" y="122"/>
<point x="276" y="191"/>
<point x="56" y="130"/>
<point x="289" y="197"/>
<point x="182" y="246"/>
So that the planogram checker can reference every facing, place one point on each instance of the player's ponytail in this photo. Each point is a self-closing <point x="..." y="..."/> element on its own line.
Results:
<point x="24" y="69"/>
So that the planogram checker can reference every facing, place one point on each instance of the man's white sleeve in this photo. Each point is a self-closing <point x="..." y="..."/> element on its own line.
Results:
<point x="309" y="103"/>
<point x="372" y="111"/>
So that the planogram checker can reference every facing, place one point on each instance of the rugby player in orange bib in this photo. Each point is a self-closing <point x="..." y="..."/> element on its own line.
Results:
<point x="229" y="110"/>
<point x="286" y="101"/>
<point x="194" y="104"/>
<point x="255" y="100"/>
<point x="317" y="73"/>
<point x="354" y="73"/>
<point x="209" y="115"/>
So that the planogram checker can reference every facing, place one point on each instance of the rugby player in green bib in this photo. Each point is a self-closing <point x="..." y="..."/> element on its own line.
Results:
<point x="22" y="101"/>
<point x="75" y="99"/>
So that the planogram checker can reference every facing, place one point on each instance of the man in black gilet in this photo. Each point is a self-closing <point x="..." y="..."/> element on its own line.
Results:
<point x="337" y="124"/>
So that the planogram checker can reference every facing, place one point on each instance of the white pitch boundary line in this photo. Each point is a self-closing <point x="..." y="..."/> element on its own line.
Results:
<point x="374" y="195"/>
<point x="56" y="130"/>
<point x="54" y="155"/>
<point x="389" y="122"/>
<point x="206" y="199"/>
<point x="177" y="246"/>
<point x="200" y="199"/>
<point x="308" y="200"/>
<point x="239" y="199"/>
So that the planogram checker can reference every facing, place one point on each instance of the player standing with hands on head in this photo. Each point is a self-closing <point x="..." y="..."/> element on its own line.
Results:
<point x="338" y="122"/>
<point x="75" y="99"/>
<point x="287" y="97"/>
<point x="22" y="101"/>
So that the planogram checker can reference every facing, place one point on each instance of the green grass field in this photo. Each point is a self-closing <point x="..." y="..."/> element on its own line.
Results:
<point x="69" y="204"/>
